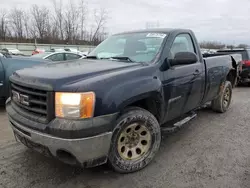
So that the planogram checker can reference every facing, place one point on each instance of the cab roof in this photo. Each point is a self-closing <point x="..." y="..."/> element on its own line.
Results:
<point x="156" y="30"/>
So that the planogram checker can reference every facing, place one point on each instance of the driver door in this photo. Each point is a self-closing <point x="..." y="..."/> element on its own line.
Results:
<point x="183" y="83"/>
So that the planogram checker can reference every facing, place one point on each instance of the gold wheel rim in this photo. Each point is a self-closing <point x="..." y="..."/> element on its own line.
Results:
<point x="226" y="97"/>
<point x="134" y="142"/>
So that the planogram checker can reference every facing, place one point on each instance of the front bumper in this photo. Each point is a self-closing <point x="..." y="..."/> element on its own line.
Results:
<point x="87" y="151"/>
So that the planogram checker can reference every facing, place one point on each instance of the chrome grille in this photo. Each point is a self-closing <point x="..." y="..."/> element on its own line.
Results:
<point x="32" y="103"/>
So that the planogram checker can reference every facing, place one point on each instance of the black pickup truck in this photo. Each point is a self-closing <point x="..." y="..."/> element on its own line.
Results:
<point x="113" y="106"/>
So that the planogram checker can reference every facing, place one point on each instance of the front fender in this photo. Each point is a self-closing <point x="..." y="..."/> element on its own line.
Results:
<point x="9" y="70"/>
<point x="131" y="91"/>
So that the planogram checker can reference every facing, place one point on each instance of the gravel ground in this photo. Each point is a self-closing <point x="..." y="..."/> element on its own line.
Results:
<point x="211" y="151"/>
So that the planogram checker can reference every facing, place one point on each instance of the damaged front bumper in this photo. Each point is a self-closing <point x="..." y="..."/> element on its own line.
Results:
<point x="87" y="151"/>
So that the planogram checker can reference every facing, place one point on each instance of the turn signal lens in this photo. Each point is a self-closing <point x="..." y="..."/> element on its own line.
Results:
<point x="74" y="105"/>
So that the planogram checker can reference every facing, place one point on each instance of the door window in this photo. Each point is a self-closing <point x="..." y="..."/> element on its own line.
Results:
<point x="182" y="43"/>
<point x="56" y="57"/>
<point x="72" y="56"/>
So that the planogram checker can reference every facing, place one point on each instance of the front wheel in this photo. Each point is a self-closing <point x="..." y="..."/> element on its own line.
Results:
<point x="223" y="101"/>
<point x="136" y="140"/>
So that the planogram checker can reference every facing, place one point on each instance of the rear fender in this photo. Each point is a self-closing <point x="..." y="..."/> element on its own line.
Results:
<point x="233" y="73"/>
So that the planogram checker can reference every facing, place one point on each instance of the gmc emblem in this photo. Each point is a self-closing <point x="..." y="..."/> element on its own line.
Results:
<point x="20" y="98"/>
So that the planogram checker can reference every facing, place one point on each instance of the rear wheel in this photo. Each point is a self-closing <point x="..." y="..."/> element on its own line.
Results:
<point x="223" y="101"/>
<point x="135" y="141"/>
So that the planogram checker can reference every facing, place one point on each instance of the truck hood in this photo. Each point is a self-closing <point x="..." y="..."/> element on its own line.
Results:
<point x="56" y="74"/>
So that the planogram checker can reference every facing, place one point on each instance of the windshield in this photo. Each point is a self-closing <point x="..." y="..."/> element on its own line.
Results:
<point x="138" y="47"/>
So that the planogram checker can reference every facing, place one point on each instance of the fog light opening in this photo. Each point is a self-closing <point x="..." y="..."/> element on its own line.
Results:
<point x="66" y="157"/>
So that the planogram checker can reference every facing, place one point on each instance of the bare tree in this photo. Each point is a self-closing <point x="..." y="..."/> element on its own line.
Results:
<point x="16" y="18"/>
<point x="40" y="20"/>
<point x="83" y="12"/>
<point x="100" y="17"/>
<point x="58" y="8"/>
<point x="65" y="24"/>
<point x="33" y="30"/>
<point x="211" y="45"/>
<point x="27" y="24"/>
<point x="71" y="22"/>
<point x="230" y="46"/>
<point x="242" y="46"/>
<point x="54" y="32"/>
<point x="3" y="25"/>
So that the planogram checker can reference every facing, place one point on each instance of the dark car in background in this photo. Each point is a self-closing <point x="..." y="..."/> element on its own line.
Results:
<point x="10" y="64"/>
<point x="244" y="76"/>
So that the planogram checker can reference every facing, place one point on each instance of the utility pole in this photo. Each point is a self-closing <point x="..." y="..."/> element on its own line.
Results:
<point x="35" y="44"/>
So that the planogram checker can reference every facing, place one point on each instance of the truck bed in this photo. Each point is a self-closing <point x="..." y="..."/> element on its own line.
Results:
<point x="215" y="64"/>
<point x="235" y="58"/>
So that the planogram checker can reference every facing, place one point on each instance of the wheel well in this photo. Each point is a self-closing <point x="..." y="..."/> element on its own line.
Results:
<point x="231" y="77"/>
<point x="150" y="104"/>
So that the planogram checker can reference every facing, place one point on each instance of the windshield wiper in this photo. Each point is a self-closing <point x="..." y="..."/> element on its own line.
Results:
<point x="122" y="58"/>
<point x="91" y="57"/>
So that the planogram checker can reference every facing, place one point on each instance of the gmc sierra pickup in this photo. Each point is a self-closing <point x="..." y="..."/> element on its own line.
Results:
<point x="113" y="106"/>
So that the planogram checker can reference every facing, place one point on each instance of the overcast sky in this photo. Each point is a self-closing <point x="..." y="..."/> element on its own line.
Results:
<point x="220" y="20"/>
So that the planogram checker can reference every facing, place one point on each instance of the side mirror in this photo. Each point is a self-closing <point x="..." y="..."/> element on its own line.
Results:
<point x="183" y="58"/>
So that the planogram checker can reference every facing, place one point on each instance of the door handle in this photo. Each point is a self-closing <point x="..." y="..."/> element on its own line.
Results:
<point x="196" y="72"/>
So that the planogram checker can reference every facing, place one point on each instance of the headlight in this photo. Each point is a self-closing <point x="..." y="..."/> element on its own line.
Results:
<point x="74" y="105"/>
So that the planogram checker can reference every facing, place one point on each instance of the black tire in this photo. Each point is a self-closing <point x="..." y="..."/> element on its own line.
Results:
<point x="218" y="104"/>
<point x="128" y="117"/>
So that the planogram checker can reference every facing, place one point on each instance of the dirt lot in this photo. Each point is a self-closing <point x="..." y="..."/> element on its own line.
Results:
<point x="211" y="151"/>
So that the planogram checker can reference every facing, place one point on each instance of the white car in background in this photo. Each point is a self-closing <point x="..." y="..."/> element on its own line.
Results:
<point x="12" y="51"/>
<point x="85" y="53"/>
<point x="71" y="50"/>
<point x="58" y="56"/>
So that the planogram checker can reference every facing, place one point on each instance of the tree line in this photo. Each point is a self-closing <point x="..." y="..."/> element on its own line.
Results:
<point x="219" y="45"/>
<point x="61" y="24"/>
